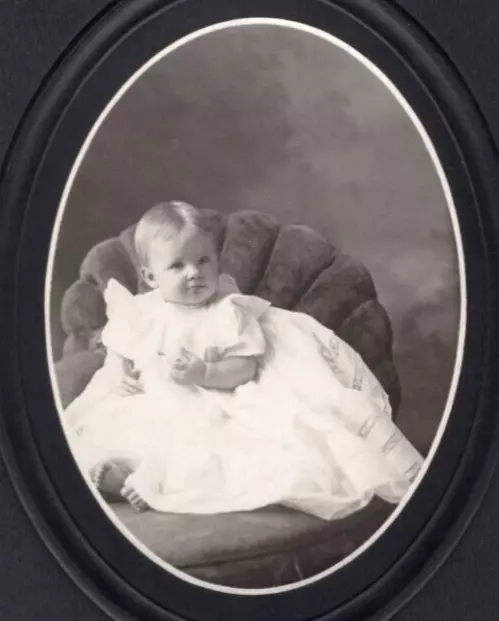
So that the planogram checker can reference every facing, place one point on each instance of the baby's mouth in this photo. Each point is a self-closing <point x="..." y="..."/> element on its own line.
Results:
<point x="197" y="287"/>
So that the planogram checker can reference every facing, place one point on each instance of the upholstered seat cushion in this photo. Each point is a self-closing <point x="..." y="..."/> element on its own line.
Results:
<point x="256" y="549"/>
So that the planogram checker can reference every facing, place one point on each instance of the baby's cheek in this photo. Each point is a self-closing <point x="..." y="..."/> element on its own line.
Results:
<point x="212" y="276"/>
<point x="181" y="286"/>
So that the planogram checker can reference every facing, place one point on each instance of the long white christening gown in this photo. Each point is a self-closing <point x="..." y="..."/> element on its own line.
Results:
<point x="312" y="431"/>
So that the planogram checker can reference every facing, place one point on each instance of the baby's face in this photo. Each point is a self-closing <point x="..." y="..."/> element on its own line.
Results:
<point x="184" y="268"/>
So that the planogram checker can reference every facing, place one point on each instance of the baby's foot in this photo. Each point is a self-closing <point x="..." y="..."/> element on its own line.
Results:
<point x="97" y="474"/>
<point x="134" y="498"/>
<point x="109" y="476"/>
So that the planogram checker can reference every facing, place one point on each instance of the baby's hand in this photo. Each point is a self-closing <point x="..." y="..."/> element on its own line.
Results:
<point x="131" y="385"/>
<point x="188" y="369"/>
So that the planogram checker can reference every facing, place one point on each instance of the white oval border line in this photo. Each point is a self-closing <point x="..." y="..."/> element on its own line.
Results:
<point x="463" y="297"/>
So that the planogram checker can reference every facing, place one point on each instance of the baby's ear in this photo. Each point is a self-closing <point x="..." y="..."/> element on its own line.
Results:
<point x="148" y="277"/>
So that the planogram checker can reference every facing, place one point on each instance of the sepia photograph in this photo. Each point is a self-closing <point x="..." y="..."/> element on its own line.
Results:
<point x="255" y="302"/>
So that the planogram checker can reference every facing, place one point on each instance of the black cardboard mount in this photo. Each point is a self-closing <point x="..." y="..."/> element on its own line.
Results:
<point x="108" y="568"/>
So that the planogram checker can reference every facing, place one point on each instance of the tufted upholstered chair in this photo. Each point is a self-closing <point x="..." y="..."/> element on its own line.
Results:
<point x="294" y="268"/>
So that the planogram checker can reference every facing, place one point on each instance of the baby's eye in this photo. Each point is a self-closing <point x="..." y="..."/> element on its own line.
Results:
<point x="178" y="265"/>
<point x="204" y="260"/>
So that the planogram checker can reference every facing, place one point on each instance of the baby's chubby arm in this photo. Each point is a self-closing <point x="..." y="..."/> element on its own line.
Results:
<point x="223" y="374"/>
<point x="229" y="372"/>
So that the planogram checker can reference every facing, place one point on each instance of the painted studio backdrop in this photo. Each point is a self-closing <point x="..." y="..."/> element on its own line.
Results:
<point x="275" y="120"/>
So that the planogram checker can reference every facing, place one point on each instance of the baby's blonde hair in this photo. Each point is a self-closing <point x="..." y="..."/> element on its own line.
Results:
<point x="164" y="221"/>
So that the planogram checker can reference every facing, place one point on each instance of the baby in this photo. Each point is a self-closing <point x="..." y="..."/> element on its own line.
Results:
<point x="213" y="401"/>
<point x="178" y="259"/>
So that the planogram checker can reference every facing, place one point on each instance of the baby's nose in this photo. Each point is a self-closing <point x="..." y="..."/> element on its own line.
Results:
<point x="192" y="271"/>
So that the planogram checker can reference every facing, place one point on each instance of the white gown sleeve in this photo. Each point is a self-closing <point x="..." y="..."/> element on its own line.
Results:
<point x="242" y="332"/>
<point x="124" y="332"/>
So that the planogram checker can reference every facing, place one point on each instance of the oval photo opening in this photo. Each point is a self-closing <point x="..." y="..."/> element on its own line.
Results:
<point x="255" y="306"/>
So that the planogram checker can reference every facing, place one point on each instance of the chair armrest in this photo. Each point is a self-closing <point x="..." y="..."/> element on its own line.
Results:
<point x="75" y="371"/>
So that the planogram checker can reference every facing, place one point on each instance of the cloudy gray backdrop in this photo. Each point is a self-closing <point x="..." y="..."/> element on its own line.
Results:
<point x="275" y="119"/>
